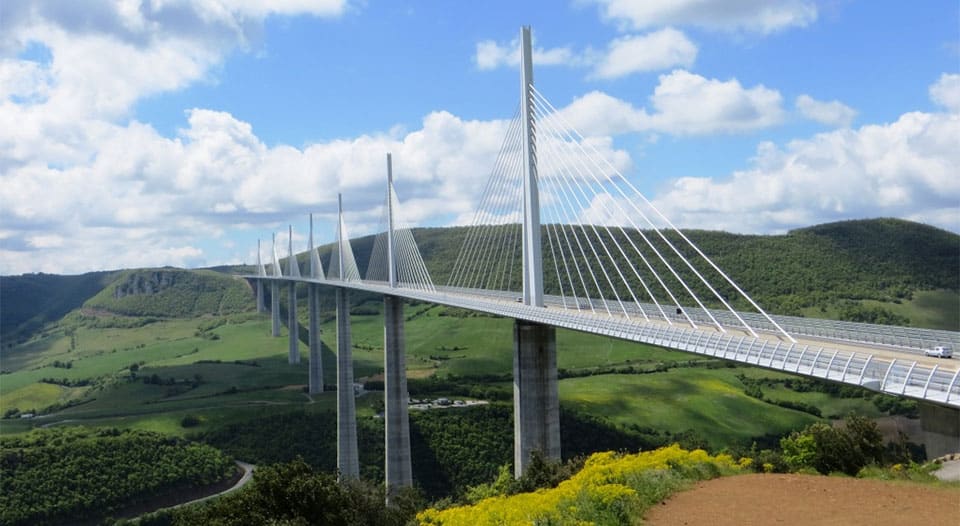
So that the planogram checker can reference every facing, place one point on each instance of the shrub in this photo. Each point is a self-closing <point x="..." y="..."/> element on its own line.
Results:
<point x="610" y="489"/>
<point x="847" y="448"/>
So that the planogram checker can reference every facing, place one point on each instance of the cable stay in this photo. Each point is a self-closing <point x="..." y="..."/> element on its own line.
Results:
<point x="343" y="265"/>
<point x="410" y="269"/>
<point x="606" y="250"/>
<point x="605" y="189"/>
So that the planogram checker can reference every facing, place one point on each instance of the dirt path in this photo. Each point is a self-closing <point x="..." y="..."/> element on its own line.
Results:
<point x="755" y="500"/>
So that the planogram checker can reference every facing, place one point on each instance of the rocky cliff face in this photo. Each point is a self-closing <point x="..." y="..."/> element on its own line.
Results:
<point x="145" y="283"/>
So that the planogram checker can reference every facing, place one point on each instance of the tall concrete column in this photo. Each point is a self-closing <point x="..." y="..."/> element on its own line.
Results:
<point x="275" y="309"/>
<point x="316" y="365"/>
<point x="398" y="470"/>
<point x="536" y="403"/>
<point x="293" y="324"/>
<point x="348" y="462"/>
<point x="940" y="426"/>
<point x="261" y="307"/>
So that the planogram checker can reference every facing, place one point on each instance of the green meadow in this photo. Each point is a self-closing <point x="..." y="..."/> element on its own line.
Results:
<point x="229" y="369"/>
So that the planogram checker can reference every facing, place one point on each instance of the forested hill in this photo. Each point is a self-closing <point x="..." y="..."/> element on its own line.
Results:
<point x="817" y="271"/>
<point x="918" y="254"/>
<point x="877" y="259"/>
<point x="29" y="301"/>
<point x="173" y="293"/>
<point x="824" y="266"/>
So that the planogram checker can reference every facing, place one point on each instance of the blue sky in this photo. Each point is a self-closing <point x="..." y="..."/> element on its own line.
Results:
<point x="138" y="133"/>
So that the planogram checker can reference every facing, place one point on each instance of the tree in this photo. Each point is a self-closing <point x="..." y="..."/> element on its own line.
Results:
<point x="847" y="448"/>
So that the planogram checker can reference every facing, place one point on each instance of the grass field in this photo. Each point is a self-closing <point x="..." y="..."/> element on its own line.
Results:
<point x="932" y="309"/>
<point x="710" y="402"/>
<point x="197" y="375"/>
<point x="936" y="309"/>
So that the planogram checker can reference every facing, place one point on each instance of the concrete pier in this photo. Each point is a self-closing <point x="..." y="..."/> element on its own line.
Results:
<point x="275" y="309"/>
<point x="348" y="463"/>
<point x="316" y="365"/>
<point x="261" y="306"/>
<point x="293" y="324"/>
<point x="940" y="427"/>
<point x="536" y="403"/>
<point x="396" y="417"/>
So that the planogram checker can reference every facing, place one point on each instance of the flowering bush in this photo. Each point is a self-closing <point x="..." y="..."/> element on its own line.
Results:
<point x="611" y="488"/>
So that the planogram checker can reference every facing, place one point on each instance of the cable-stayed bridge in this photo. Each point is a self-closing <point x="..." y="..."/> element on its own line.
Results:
<point x="561" y="238"/>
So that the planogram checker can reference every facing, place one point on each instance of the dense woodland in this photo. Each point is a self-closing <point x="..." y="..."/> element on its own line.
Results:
<point x="32" y="300"/>
<point x="451" y="449"/>
<point x="58" y="475"/>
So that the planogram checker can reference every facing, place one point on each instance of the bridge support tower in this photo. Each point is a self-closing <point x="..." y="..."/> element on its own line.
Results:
<point x="940" y="426"/>
<point x="275" y="309"/>
<point x="396" y="416"/>
<point x="536" y="403"/>
<point x="316" y="365"/>
<point x="536" y="406"/>
<point x="398" y="470"/>
<point x="348" y="463"/>
<point x="261" y="307"/>
<point x="293" y="324"/>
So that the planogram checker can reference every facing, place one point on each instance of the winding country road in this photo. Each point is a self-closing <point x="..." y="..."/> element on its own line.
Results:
<point x="246" y="478"/>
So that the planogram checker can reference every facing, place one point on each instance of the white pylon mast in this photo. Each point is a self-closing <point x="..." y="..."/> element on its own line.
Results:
<point x="391" y="260"/>
<point x="340" y="236"/>
<point x="532" y="258"/>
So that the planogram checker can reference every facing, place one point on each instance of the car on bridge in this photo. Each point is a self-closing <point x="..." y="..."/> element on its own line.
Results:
<point x="940" y="351"/>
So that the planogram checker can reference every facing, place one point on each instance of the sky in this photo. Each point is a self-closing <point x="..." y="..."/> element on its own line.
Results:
<point x="144" y="133"/>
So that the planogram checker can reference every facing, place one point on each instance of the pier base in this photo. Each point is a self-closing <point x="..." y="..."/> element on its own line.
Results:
<point x="261" y="307"/>
<point x="316" y="365"/>
<point x="536" y="403"/>
<point x="348" y="463"/>
<point x="396" y="417"/>
<point x="940" y="427"/>
<point x="293" y="324"/>
<point x="275" y="309"/>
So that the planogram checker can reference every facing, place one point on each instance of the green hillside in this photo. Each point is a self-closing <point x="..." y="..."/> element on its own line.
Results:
<point x="173" y="293"/>
<point x="29" y="301"/>
<point x="875" y="270"/>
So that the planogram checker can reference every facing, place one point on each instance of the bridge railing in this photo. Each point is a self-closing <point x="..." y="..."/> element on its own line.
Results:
<point x="902" y="337"/>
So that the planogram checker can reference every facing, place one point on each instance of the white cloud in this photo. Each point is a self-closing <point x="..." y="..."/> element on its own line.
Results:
<point x="492" y="55"/>
<point x="761" y="16"/>
<point x="683" y="103"/>
<point x="654" y="51"/>
<point x="833" y="113"/>
<point x="946" y="91"/>
<point x="902" y="169"/>
<point x="141" y="199"/>
<point x="687" y="103"/>
<point x="651" y="52"/>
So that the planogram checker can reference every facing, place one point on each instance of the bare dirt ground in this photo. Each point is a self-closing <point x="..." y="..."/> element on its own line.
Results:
<point x="757" y="499"/>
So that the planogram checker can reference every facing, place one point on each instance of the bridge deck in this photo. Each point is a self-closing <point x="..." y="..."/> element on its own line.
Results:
<point x="898" y="369"/>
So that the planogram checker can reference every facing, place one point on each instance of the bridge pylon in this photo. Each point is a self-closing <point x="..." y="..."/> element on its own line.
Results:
<point x="313" y="306"/>
<point x="261" y="307"/>
<point x="293" y="325"/>
<point x="348" y="459"/>
<point x="275" y="294"/>
<point x="398" y="469"/>
<point x="536" y="406"/>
